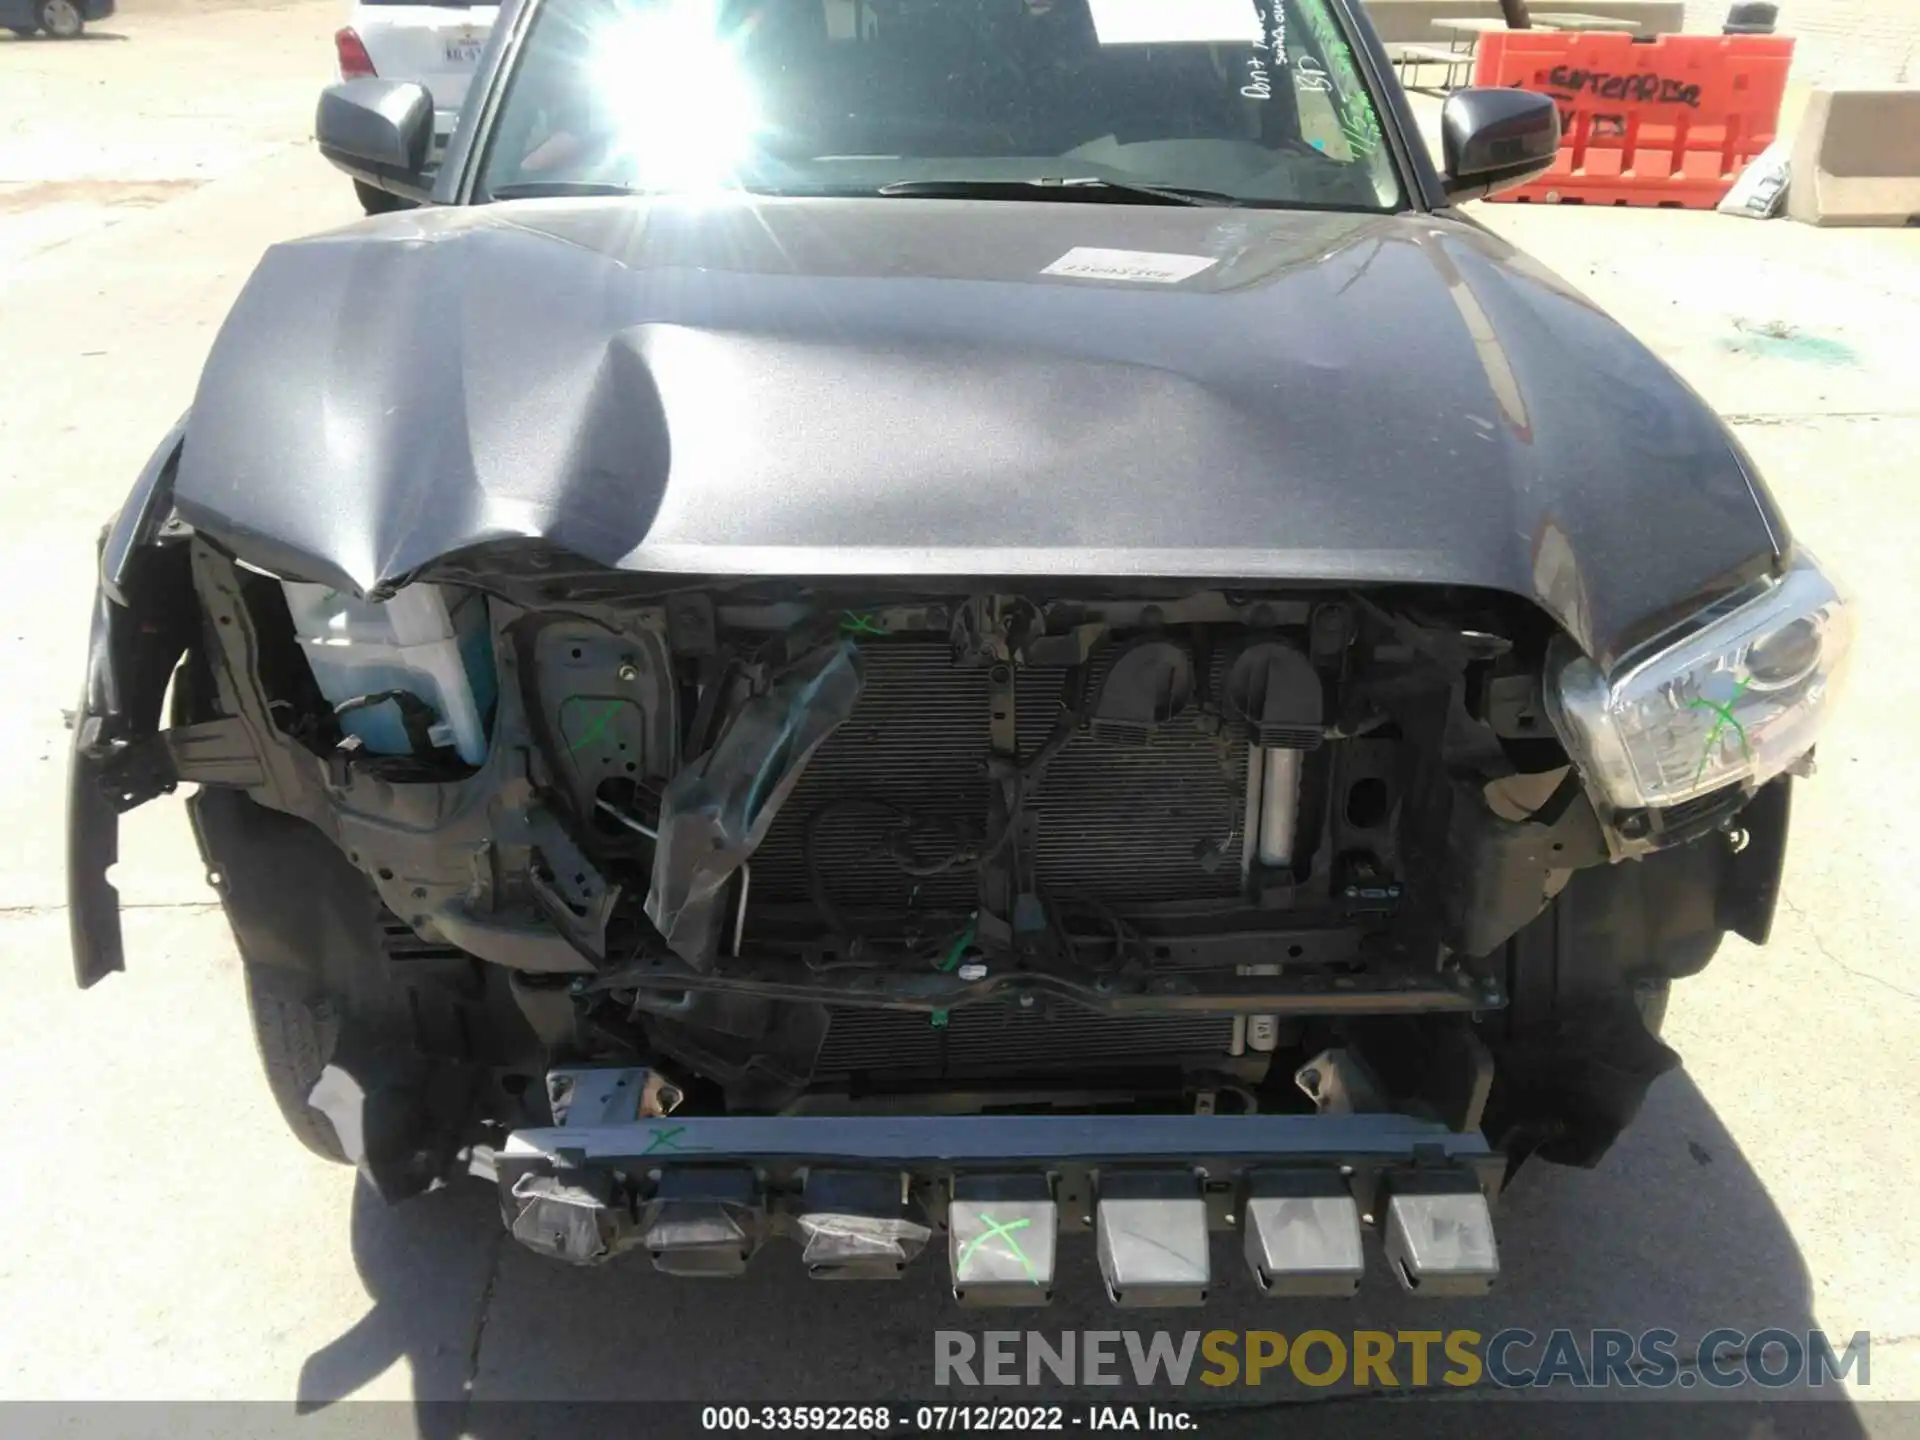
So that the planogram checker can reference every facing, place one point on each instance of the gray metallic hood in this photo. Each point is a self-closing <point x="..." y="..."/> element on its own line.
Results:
<point x="903" y="387"/>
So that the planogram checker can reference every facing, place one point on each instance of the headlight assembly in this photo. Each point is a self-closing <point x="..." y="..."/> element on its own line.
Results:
<point x="1736" y="699"/>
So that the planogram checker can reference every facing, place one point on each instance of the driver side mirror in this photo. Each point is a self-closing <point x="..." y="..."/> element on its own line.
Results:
<point x="1494" y="139"/>
<point x="378" y="131"/>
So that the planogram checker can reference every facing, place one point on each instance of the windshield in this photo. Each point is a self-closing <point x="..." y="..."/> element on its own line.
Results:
<point x="1255" y="102"/>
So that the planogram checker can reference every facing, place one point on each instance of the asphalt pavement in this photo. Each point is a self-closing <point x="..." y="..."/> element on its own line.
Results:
<point x="165" y="1239"/>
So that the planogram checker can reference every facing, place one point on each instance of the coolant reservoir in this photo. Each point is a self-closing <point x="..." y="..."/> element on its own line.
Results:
<point x="412" y="642"/>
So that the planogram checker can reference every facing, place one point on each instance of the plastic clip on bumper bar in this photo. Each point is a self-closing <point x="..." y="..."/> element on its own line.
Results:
<point x="865" y="1195"/>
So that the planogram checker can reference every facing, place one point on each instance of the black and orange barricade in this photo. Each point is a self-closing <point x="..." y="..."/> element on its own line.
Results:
<point x="1665" y="122"/>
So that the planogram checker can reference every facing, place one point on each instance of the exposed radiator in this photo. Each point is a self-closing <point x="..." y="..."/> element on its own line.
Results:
<point x="1117" y="823"/>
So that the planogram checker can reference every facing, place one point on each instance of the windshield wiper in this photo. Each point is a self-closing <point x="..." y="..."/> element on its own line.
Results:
<point x="558" y="189"/>
<point x="1092" y="188"/>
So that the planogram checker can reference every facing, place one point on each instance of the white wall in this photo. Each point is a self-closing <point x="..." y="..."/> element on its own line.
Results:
<point x="1840" y="42"/>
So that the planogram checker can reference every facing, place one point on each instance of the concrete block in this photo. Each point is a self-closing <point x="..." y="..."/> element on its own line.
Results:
<point x="1856" y="158"/>
<point x="1412" y="20"/>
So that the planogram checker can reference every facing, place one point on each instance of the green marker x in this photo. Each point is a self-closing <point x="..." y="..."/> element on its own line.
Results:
<point x="1004" y="1232"/>
<point x="1725" y="714"/>
<point x="599" y="726"/>
<point x="669" y="1139"/>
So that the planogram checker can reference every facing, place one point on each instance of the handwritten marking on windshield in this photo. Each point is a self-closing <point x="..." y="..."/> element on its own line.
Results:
<point x="1358" y="124"/>
<point x="1310" y="78"/>
<point x="1270" y="50"/>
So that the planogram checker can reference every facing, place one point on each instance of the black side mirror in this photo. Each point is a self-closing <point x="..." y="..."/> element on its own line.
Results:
<point x="379" y="131"/>
<point x="1495" y="139"/>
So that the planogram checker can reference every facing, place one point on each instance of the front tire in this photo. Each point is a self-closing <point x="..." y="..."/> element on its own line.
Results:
<point x="295" y="1035"/>
<point x="62" y="19"/>
<point x="405" y="1044"/>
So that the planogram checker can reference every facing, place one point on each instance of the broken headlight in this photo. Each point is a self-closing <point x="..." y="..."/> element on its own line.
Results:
<point x="1739" y="697"/>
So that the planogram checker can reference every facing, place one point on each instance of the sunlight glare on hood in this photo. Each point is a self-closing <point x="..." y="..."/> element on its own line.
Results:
<point x="686" y="109"/>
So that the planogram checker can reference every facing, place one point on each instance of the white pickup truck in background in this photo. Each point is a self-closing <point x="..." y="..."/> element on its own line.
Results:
<point x="437" y="45"/>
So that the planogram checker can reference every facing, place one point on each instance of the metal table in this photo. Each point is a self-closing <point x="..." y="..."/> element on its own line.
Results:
<point x="1573" y="20"/>
<point x="1462" y="34"/>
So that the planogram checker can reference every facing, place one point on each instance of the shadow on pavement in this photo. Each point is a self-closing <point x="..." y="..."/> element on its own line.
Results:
<point x="1674" y="1231"/>
<point x="427" y="1267"/>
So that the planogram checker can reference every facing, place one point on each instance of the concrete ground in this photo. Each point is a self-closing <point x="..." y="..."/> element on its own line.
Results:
<point x="167" y="1239"/>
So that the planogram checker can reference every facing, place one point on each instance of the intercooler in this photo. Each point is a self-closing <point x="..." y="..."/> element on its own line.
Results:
<point x="1117" y="824"/>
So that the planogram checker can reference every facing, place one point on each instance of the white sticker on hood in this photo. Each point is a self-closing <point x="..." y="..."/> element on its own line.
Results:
<point x="1144" y="266"/>
<point x="1176" y="22"/>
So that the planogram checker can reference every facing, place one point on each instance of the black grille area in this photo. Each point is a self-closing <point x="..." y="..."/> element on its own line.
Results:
<point x="1701" y="812"/>
<point x="1121" y="824"/>
<point x="997" y="1040"/>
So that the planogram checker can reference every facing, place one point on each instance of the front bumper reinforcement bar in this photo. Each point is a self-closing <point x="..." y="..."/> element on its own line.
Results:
<point x="863" y="1196"/>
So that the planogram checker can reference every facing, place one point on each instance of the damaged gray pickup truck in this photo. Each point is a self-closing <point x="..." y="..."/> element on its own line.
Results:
<point x="884" y="623"/>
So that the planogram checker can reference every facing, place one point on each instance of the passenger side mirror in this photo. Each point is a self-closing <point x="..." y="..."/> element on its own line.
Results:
<point x="378" y="131"/>
<point x="1494" y="139"/>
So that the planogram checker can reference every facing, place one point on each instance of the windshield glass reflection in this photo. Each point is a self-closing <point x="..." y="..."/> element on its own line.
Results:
<point x="1245" y="101"/>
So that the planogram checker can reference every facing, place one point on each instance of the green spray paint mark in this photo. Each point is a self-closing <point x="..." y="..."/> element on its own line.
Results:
<point x="1779" y="340"/>
<point x="1725" y="714"/>
<point x="598" y="728"/>
<point x="668" y="1139"/>
<point x="854" y="624"/>
<point x="1358" y="124"/>
<point x="1004" y="1233"/>
<point x="951" y="960"/>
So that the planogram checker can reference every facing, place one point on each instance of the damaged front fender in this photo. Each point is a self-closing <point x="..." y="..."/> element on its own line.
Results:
<point x="143" y="621"/>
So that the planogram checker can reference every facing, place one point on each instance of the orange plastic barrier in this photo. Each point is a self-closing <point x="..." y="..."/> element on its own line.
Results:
<point x="1671" y="121"/>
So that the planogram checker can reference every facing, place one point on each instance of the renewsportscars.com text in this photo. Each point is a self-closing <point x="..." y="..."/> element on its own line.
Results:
<point x="1509" y="1359"/>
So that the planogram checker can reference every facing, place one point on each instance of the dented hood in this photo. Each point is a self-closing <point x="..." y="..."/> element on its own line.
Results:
<point x="947" y="388"/>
